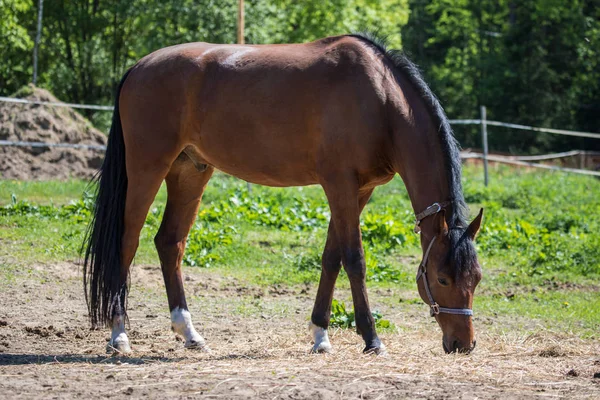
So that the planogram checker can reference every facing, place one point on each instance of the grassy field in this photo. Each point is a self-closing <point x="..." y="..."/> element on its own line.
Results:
<point x="251" y="272"/>
<point x="539" y="246"/>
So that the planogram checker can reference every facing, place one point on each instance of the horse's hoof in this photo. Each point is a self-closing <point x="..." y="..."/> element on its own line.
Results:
<point x="199" y="345"/>
<point x="378" y="350"/>
<point x="320" y="338"/>
<point x="320" y="348"/>
<point x="119" y="347"/>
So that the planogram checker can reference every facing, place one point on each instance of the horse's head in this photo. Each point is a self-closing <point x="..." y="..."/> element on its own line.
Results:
<point x="447" y="279"/>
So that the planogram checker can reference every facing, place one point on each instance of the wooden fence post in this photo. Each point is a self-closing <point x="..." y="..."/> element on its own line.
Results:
<point x="240" y="40"/>
<point x="240" y="27"/>
<point x="484" y="141"/>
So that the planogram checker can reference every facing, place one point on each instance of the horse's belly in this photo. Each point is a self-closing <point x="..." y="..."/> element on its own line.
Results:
<point x="269" y="178"/>
<point x="259" y="157"/>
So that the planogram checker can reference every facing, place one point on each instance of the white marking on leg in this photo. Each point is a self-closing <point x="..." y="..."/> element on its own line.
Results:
<point x="119" y="342"/>
<point x="181" y="321"/>
<point x="320" y="338"/>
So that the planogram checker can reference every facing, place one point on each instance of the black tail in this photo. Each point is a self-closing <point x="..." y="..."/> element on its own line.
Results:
<point x="105" y="288"/>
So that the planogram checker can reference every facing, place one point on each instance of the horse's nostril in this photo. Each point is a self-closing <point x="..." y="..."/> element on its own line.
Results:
<point x="455" y="345"/>
<point x="446" y="350"/>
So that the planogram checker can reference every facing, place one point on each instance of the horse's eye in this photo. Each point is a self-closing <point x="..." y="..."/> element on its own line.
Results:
<point x="443" y="282"/>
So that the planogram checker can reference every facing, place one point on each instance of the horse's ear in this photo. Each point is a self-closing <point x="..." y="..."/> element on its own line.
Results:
<point x="442" y="226"/>
<point x="473" y="228"/>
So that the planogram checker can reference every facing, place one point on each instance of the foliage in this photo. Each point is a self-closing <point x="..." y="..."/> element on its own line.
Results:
<point x="541" y="225"/>
<point x="538" y="224"/>
<point x="87" y="45"/>
<point x="382" y="228"/>
<point x="306" y="262"/>
<point x="201" y="242"/>
<point x="380" y="270"/>
<point x="314" y="19"/>
<point x="539" y="244"/>
<point x="299" y="214"/>
<point x="533" y="62"/>
<point x="342" y="318"/>
<point x="76" y="209"/>
<point x="16" y="45"/>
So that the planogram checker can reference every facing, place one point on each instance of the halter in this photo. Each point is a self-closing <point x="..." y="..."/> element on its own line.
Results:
<point x="435" y="309"/>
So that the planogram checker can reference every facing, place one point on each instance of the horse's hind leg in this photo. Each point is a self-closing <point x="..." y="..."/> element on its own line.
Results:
<point x="331" y="265"/>
<point x="142" y="186"/>
<point x="185" y="186"/>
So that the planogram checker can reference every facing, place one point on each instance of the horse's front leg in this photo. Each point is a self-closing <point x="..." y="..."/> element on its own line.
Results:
<point x="344" y="201"/>
<point x="185" y="185"/>
<point x="331" y="262"/>
<point x="331" y="265"/>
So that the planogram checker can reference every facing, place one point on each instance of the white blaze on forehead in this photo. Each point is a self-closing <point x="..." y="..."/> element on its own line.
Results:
<point x="181" y="321"/>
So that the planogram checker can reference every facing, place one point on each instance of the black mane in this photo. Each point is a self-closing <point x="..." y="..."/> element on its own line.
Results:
<point x="462" y="251"/>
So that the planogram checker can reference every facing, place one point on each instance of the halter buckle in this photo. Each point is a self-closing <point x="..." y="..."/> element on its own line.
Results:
<point x="439" y="207"/>
<point x="417" y="226"/>
<point x="434" y="310"/>
<point x="431" y="210"/>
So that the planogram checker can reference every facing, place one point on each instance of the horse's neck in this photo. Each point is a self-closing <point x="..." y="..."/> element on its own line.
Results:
<point x="423" y="169"/>
<point x="421" y="163"/>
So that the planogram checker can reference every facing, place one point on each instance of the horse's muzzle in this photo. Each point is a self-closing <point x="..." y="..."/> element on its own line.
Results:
<point x="457" y="347"/>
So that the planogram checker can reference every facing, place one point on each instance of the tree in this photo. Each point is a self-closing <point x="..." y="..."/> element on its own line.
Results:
<point x="16" y="44"/>
<point x="531" y="62"/>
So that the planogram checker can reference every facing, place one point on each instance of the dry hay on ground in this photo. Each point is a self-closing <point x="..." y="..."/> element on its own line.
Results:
<point x="38" y="123"/>
<point x="259" y="347"/>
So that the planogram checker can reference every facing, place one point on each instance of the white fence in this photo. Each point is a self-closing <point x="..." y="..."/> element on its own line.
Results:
<point x="524" y="161"/>
<point x="483" y="122"/>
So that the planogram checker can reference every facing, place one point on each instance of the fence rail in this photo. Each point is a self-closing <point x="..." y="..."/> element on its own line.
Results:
<point x="512" y="161"/>
<point x="525" y="127"/>
<point x="484" y="122"/>
<point x="46" y="145"/>
<point x="56" y="104"/>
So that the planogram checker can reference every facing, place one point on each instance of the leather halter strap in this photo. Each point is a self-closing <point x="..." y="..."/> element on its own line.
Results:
<point x="432" y="209"/>
<point x="435" y="308"/>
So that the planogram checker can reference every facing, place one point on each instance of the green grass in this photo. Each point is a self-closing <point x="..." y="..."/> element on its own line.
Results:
<point x="567" y="311"/>
<point x="52" y="192"/>
<point x="541" y="236"/>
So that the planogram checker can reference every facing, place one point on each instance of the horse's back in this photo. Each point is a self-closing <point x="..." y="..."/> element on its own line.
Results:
<point x="265" y="113"/>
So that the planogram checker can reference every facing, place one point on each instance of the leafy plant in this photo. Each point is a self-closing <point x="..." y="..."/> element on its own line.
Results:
<point x="342" y="318"/>
<point x="382" y="229"/>
<point x="378" y="270"/>
<point x="306" y="262"/>
<point x="202" y="240"/>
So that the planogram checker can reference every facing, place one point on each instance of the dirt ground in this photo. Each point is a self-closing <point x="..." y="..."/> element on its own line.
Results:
<point x="260" y="343"/>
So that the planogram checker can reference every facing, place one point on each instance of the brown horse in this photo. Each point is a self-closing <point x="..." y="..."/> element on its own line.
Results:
<point x="342" y="112"/>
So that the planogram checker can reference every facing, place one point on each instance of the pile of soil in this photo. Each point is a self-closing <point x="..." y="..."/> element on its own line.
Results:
<point x="40" y="123"/>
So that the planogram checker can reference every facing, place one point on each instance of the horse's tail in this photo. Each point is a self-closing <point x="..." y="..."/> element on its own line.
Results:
<point x="105" y="287"/>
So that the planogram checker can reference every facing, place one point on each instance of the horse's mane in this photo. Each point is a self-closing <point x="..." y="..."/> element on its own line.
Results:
<point x="462" y="250"/>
